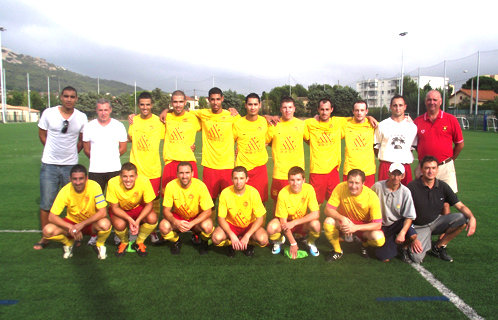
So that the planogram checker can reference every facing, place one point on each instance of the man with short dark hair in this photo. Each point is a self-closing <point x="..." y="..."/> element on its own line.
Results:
<point x="86" y="214"/>
<point x="359" y="138"/>
<point x="398" y="213"/>
<point x="250" y="134"/>
<point x="130" y="198"/>
<point x="240" y="217"/>
<point x="353" y="209"/>
<point x="292" y="216"/>
<point x="60" y="132"/>
<point x="186" y="207"/>
<point x="286" y="139"/>
<point x="395" y="138"/>
<point x="430" y="195"/>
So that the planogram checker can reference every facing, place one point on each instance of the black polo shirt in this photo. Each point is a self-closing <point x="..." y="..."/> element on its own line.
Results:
<point x="429" y="202"/>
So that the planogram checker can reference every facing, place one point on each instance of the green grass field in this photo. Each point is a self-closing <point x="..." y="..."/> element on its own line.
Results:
<point x="43" y="285"/>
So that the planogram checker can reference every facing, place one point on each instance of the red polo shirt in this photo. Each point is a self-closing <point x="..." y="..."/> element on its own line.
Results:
<point x="436" y="139"/>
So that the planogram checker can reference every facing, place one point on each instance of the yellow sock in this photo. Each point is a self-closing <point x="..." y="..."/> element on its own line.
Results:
<point x="63" y="239"/>
<point x="224" y="243"/>
<point x="255" y="243"/>
<point x="156" y="206"/>
<point x="276" y="237"/>
<point x="312" y="236"/>
<point x="171" y="236"/>
<point x="144" y="231"/>
<point x="122" y="235"/>
<point x="332" y="234"/>
<point x="102" y="237"/>
<point x="376" y="243"/>
<point x="206" y="236"/>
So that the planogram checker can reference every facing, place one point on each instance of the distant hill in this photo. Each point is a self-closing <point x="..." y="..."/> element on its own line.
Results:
<point x="17" y="65"/>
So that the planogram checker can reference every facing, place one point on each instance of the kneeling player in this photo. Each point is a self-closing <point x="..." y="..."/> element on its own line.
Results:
<point x="353" y="209"/>
<point x="131" y="197"/>
<point x="86" y="214"/>
<point x="240" y="216"/>
<point x="192" y="205"/>
<point x="291" y="217"/>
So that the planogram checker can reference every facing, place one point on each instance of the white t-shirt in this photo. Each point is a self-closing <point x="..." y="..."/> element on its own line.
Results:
<point x="104" y="145"/>
<point x="395" y="141"/>
<point x="61" y="148"/>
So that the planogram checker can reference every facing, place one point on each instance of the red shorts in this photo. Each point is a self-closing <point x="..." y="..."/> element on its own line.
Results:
<point x="156" y="183"/>
<point x="177" y="217"/>
<point x="216" y="180"/>
<point x="169" y="173"/>
<point x="87" y="230"/>
<point x="258" y="178"/>
<point x="324" y="184"/>
<point x="299" y="230"/>
<point x="369" y="180"/>
<point x="384" y="170"/>
<point x="133" y="213"/>
<point x="239" y="231"/>
<point x="276" y="186"/>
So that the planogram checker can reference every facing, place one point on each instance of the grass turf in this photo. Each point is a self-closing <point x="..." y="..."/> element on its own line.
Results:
<point x="214" y="286"/>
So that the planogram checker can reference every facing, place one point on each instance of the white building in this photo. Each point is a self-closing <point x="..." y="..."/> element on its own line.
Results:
<point x="378" y="92"/>
<point x="20" y="114"/>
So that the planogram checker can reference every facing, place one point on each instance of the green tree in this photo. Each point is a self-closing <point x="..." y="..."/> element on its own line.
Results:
<point x="233" y="100"/>
<point x="343" y="99"/>
<point x="485" y="83"/>
<point x="36" y="101"/>
<point x="203" y="103"/>
<point x="15" y="98"/>
<point x="277" y="93"/>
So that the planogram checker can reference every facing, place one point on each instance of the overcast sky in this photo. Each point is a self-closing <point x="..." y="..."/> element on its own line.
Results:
<point x="253" y="45"/>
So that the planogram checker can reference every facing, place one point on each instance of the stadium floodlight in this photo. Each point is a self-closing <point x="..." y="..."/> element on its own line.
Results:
<point x="402" y="34"/>
<point x="2" y="86"/>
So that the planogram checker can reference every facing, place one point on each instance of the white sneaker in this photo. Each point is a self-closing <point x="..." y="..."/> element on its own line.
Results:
<point x="277" y="245"/>
<point x="313" y="249"/>
<point x="117" y="241"/>
<point x="153" y="237"/>
<point x="101" y="251"/>
<point x="92" y="242"/>
<point x="68" y="252"/>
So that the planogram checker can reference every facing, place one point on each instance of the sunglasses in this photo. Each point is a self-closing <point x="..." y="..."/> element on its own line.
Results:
<point x="65" y="125"/>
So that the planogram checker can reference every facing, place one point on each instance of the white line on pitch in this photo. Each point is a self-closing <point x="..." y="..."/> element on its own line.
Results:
<point x="459" y="303"/>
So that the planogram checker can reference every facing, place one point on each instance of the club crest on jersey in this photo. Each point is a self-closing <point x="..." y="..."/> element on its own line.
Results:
<point x="423" y="131"/>
<point x="445" y="128"/>
<point x="246" y="203"/>
<point x="191" y="196"/>
<point x="222" y="118"/>
<point x="303" y="199"/>
<point x="185" y="120"/>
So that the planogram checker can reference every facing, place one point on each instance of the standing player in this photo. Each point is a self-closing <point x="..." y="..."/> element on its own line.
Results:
<point x="130" y="198"/>
<point x="286" y="139"/>
<point x="325" y="134"/>
<point x="291" y="216"/>
<point x="359" y="137"/>
<point x="240" y="217"/>
<point x="181" y="127"/>
<point x="353" y="208"/>
<point x="104" y="141"/>
<point x="250" y="134"/>
<point x="146" y="134"/>
<point x="186" y="207"/>
<point x="86" y="214"/>
<point x="394" y="139"/>
<point x="60" y="131"/>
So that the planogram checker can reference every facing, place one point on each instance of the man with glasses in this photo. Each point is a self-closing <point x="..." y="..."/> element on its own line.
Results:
<point x="60" y="132"/>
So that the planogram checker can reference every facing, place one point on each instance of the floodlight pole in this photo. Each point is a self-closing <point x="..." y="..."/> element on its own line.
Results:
<point x="29" y="100"/>
<point x="4" y="108"/>
<point x="402" y="34"/>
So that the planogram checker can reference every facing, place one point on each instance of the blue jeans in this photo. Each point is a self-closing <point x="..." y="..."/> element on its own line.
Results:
<point x="52" y="178"/>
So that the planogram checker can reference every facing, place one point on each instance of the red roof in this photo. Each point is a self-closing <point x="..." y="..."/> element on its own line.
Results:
<point x="484" y="95"/>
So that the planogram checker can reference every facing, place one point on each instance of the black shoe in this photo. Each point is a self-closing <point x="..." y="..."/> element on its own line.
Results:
<point x="175" y="249"/>
<point x="160" y="242"/>
<point x="441" y="253"/>
<point x="333" y="256"/>
<point x="249" y="252"/>
<point x="364" y="252"/>
<point x="230" y="252"/>
<point x="204" y="248"/>
<point x="404" y="255"/>
<point x="140" y="249"/>
<point x="196" y="240"/>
